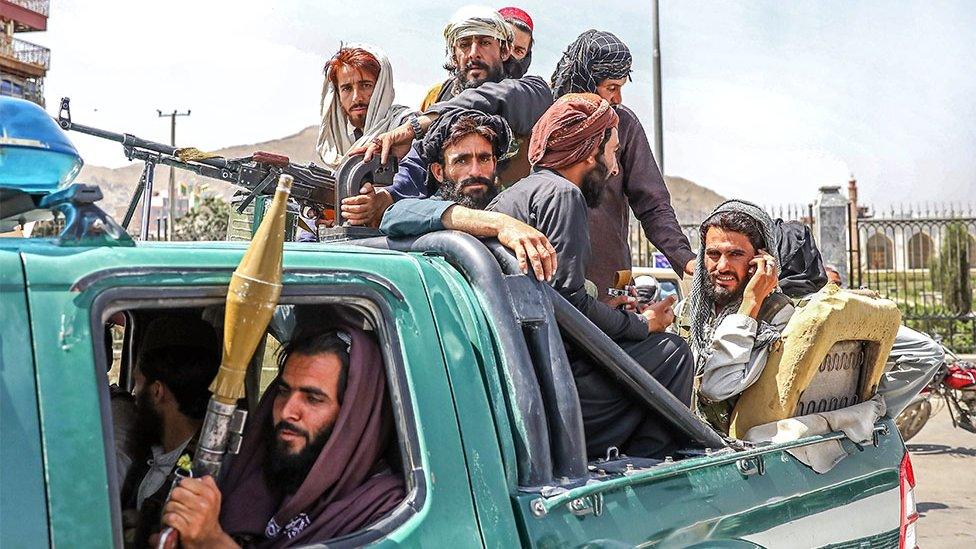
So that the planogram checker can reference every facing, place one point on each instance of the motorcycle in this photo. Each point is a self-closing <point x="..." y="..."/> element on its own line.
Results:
<point x="955" y="383"/>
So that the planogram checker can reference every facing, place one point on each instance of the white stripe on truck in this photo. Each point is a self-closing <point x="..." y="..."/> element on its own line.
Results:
<point x="866" y="517"/>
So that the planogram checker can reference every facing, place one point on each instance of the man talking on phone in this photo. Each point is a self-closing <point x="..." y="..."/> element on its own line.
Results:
<point x="735" y="309"/>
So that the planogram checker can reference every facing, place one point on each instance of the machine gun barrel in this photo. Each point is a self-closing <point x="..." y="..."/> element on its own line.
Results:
<point x="130" y="141"/>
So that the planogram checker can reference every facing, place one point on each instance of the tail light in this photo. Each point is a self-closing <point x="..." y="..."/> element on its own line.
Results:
<point x="908" y="538"/>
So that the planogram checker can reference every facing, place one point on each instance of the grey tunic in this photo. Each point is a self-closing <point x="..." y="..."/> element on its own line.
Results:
<point x="640" y="186"/>
<point x="554" y="206"/>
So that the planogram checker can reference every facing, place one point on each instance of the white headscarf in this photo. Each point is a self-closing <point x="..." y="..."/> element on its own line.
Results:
<point x="381" y="115"/>
<point x="475" y="21"/>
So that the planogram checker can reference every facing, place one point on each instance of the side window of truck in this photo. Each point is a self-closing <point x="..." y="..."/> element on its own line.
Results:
<point x="136" y="334"/>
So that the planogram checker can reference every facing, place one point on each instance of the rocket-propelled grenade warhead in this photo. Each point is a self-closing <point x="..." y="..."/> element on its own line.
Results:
<point x="252" y="297"/>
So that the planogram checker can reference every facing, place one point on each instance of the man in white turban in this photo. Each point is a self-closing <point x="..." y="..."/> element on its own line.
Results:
<point x="357" y="105"/>
<point x="357" y="101"/>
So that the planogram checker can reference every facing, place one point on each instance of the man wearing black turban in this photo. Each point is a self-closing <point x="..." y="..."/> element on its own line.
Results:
<point x="458" y="169"/>
<point x="599" y="62"/>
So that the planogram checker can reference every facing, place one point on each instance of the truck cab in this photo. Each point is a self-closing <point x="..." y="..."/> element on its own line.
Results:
<point x="487" y="439"/>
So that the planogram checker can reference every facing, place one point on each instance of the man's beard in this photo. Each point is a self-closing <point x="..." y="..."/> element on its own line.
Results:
<point x="493" y="74"/>
<point x="722" y="296"/>
<point x="360" y="118"/>
<point x="516" y="68"/>
<point x="594" y="182"/>
<point x="286" y="471"/>
<point x="454" y="191"/>
<point x="148" y="427"/>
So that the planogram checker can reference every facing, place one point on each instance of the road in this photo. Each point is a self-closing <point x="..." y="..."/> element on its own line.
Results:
<point x="945" y="472"/>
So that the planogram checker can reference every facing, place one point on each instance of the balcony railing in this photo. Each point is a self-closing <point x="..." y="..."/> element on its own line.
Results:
<point x="26" y="52"/>
<point x="38" y="6"/>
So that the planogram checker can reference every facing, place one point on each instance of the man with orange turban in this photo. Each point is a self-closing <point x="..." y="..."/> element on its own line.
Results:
<point x="573" y="153"/>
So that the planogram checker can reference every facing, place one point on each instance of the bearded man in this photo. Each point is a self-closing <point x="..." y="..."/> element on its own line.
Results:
<point x="311" y="467"/>
<point x="462" y="150"/>
<point x="478" y="42"/>
<point x="522" y="41"/>
<point x="735" y="309"/>
<point x="573" y="152"/>
<point x="356" y="106"/>
<point x="599" y="62"/>
<point x="178" y="359"/>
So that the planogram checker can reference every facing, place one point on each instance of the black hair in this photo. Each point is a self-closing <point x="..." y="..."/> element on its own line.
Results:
<point x="737" y="222"/>
<point x="316" y="344"/>
<point x="186" y="371"/>
<point x="524" y="27"/>
<point x="463" y="127"/>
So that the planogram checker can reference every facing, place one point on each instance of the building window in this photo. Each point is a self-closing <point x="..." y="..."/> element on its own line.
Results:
<point x="919" y="251"/>
<point x="880" y="252"/>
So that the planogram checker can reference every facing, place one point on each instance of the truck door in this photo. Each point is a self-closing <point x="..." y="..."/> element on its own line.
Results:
<point x="23" y="504"/>
<point x="76" y="290"/>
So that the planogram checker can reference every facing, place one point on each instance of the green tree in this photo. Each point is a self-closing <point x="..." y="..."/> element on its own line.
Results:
<point x="207" y="220"/>
<point x="950" y="271"/>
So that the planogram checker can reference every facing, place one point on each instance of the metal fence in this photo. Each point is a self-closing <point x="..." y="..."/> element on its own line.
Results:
<point x="26" y="52"/>
<point x="927" y="265"/>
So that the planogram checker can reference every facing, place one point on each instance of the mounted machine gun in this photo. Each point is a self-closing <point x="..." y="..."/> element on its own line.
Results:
<point x="315" y="189"/>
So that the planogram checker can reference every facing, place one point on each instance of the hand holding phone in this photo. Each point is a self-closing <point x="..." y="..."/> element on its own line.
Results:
<point x="763" y="279"/>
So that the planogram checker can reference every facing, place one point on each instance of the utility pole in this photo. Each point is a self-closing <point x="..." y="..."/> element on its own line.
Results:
<point x="658" y="113"/>
<point x="172" y="176"/>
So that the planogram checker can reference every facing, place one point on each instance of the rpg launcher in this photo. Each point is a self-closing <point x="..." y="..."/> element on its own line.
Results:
<point x="252" y="297"/>
<point x="315" y="189"/>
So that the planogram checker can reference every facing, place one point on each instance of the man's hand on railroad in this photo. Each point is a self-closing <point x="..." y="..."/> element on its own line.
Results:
<point x="367" y="207"/>
<point x="762" y="283"/>
<point x="193" y="511"/>
<point x="659" y="315"/>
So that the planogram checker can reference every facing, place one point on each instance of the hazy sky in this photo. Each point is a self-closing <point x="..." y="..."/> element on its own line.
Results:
<point x="765" y="100"/>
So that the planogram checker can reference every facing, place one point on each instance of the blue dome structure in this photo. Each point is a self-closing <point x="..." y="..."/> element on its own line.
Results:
<point x="35" y="154"/>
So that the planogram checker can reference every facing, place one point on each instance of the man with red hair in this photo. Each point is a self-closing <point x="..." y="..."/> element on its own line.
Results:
<point x="357" y="101"/>
<point x="357" y="105"/>
<point x="573" y="153"/>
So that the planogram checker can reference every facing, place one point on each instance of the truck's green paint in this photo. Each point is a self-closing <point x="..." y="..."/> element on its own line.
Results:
<point x="57" y="459"/>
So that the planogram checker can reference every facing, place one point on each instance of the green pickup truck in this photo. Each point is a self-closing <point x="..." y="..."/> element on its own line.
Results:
<point x="489" y="435"/>
<point x="488" y="428"/>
